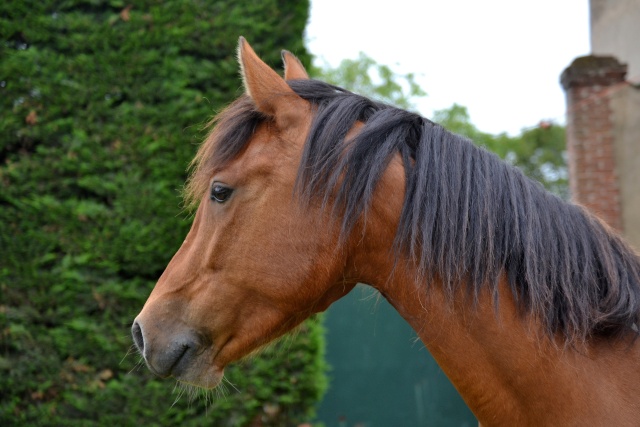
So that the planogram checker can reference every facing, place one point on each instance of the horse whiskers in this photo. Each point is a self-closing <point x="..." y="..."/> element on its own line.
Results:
<point x="224" y="378"/>
<point x="221" y="390"/>
<point x="132" y="349"/>
<point x="181" y="388"/>
<point x="208" y="395"/>
<point x="139" y="364"/>
<point x="184" y="388"/>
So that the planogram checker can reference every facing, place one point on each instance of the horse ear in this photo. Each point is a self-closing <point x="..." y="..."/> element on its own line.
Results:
<point x="293" y="68"/>
<point x="261" y="83"/>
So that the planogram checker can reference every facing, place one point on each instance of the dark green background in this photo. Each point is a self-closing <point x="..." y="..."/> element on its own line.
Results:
<point x="381" y="374"/>
<point x="101" y="110"/>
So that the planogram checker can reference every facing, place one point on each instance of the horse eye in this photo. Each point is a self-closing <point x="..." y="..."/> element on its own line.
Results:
<point x="220" y="193"/>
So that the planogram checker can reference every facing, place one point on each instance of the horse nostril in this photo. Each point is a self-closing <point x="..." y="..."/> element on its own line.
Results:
<point x="168" y="352"/>
<point x="138" y="339"/>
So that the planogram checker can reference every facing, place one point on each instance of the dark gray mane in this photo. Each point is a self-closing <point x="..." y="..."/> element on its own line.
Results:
<point x="467" y="216"/>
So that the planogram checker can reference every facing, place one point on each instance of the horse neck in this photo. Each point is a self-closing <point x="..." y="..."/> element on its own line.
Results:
<point x="503" y="363"/>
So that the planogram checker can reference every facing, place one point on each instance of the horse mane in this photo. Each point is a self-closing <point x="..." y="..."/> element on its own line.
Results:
<point x="468" y="217"/>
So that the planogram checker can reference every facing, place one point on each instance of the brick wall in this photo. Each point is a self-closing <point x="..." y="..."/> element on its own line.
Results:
<point x="589" y="83"/>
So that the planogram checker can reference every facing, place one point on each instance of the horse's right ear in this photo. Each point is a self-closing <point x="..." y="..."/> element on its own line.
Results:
<point x="293" y="68"/>
<point x="262" y="84"/>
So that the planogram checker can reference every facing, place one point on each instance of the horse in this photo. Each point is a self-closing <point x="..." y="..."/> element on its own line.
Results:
<point x="301" y="190"/>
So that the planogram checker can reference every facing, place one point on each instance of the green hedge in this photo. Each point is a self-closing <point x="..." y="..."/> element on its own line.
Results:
<point x="101" y="109"/>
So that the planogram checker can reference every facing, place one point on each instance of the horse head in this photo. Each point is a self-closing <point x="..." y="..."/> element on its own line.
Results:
<point x="256" y="261"/>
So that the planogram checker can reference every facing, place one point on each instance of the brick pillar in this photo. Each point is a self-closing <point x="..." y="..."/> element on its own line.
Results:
<point x="589" y="82"/>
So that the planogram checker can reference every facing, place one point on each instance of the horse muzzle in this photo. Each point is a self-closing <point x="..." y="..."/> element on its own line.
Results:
<point x="175" y="351"/>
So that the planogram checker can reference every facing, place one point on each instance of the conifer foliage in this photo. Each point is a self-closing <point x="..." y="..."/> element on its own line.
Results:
<point x="102" y="104"/>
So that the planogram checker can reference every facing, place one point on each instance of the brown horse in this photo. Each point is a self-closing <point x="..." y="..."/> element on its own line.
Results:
<point x="529" y="304"/>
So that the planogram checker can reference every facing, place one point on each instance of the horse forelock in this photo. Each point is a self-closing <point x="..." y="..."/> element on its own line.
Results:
<point x="467" y="217"/>
<point x="229" y="133"/>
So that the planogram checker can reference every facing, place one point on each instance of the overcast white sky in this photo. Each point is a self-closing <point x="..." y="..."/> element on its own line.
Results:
<point x="501" y="59"/>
